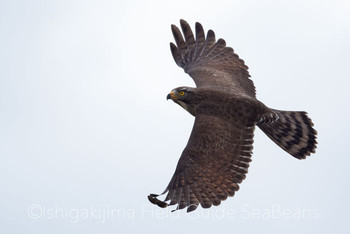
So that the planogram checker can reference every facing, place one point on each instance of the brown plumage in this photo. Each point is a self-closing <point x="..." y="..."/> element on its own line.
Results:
<point x="217" y="155"/>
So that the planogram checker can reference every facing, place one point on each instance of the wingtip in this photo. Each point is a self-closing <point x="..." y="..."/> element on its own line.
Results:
<point x="182" y="21"/>
<point x="199" y="25"/>
<point x="184" y="24"/>
<point x="173" y="27"/>
<point x="200" y="37"/>
<point x="173" y="46"/>
<point x="153" y="199"/>
<point x="210" y="33"/>
<point x="191" y="208"/>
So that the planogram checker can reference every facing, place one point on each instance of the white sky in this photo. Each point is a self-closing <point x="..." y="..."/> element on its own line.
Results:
<point x="85" y="130"/>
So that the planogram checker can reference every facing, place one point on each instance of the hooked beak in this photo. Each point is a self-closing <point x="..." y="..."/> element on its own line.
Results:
<point x="170" y="95"/>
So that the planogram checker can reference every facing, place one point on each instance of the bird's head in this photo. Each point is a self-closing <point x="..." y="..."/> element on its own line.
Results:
<point x="185" y="97"/>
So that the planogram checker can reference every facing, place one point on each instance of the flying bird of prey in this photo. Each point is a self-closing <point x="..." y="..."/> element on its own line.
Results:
<point x="217" y="156"/>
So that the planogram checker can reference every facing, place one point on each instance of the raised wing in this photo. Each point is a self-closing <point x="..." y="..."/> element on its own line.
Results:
<point x="211" y="166"/>
<point x="209" y="62"/>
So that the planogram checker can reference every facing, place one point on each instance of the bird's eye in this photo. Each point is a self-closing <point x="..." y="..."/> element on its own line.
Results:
<point x="182" y="93"/>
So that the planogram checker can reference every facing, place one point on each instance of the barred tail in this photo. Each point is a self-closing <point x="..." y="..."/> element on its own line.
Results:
<point x="292" y="131"/>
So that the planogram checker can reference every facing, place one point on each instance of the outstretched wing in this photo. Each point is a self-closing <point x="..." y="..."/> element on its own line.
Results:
<point x="209" y="62"/>
<point x="211" y="166"/>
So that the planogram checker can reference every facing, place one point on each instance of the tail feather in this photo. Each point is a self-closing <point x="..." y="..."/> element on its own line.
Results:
<point x="292" y="131"/>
